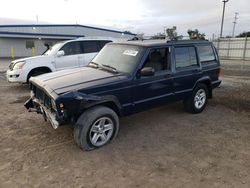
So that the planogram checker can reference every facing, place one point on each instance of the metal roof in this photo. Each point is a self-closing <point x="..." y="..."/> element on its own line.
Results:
<point x="67" y="25"/>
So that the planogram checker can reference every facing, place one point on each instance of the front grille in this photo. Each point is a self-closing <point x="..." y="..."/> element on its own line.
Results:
<point x="43" y="98"/>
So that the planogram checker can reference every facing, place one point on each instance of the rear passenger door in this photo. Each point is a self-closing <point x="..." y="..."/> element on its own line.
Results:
<point x="187" y="70"/>
<point x="90" y="49"/>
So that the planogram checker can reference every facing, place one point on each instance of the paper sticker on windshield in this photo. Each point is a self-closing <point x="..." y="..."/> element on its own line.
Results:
<point x="130" y="52"/>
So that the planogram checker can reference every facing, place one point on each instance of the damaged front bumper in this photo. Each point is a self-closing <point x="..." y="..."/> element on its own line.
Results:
<point x="33" y="105"/>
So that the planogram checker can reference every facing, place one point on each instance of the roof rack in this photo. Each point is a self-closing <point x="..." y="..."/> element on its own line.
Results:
<point x="185" y="40"/>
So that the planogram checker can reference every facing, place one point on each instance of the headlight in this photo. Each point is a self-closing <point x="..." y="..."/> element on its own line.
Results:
<point x="53" y="104"/>
<point x="19" y="65"/>
<point x="32" y="94"/>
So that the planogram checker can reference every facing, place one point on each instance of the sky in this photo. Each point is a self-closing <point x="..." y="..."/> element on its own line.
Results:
<point x="147" y="16"/>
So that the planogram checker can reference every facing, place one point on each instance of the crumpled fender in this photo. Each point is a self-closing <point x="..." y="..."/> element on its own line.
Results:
<point x="88" y="100"/>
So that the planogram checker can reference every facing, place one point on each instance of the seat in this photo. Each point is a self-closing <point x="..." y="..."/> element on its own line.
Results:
<point x="155" y="61"/>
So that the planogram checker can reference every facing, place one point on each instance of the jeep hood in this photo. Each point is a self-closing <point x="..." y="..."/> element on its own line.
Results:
<point x="74" y="79"/>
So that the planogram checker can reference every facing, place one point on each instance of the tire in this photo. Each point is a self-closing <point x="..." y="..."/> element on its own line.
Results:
<point x="96" y="127"/>
<point x="197" y="102"/>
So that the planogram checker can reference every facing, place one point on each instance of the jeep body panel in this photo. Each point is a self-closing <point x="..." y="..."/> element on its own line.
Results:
<point x="75" y="90"/>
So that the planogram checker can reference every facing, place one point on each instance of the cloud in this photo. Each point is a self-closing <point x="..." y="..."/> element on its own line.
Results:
<point x="145" y="16"/>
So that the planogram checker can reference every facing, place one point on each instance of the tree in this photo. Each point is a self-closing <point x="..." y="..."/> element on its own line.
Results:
<point x="195" y="34"/>
<point x="244" y="34"/>
<point x="171" y="32"/>
<point x="159" y="36"/>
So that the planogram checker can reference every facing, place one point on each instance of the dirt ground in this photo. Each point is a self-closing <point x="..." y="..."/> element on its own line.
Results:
<point x="162" y="147"/>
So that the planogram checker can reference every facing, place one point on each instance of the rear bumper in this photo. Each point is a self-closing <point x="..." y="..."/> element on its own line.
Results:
<point x="41" y="109"/>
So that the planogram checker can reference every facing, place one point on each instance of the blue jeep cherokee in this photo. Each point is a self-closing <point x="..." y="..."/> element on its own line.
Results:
<point x="125" y="78"/>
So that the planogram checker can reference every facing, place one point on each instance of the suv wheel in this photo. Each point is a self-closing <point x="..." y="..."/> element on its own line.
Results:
<point x="198" y="100"/>
<point x="96" y="127"/>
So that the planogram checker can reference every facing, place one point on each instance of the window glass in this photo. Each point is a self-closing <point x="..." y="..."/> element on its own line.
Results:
<point x="159" y="59"/>
<point x="185" y="57"/>
<point x="90" y="46"/>
<point x="124" y="58"/>
<point x="206" y="53"/>
<point x="103" y="42"/>
<point x="30" y="44"/>
<point x="71" y="48"/>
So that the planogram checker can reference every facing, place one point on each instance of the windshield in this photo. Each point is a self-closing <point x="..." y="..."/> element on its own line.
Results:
<point x="52" y="50"/>
<point x="119" y="58"/>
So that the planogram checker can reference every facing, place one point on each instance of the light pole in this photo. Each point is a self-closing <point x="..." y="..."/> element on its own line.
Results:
<point x="235" y="22"/>
<point x="223" y="13"/>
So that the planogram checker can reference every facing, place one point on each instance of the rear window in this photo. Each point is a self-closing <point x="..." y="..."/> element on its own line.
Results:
<point x="185" y="57"/>
<point x="206" y="53"/>
<point x="102" y="43"/>
<point x="90" y="46"/>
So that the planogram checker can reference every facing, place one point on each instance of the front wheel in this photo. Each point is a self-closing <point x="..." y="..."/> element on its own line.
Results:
<point x="198" y="100"/>
<point x="96" y="127"/>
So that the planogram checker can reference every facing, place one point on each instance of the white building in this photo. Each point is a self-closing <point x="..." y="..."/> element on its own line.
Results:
<point x="28" y="40"/>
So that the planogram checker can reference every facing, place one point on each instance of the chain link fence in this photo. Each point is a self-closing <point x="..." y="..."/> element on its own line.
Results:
<point x="233" y="48"/>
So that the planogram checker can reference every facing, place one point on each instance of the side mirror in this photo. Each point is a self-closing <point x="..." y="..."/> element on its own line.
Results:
<point x="147" y="71"/>
<point x="60" y="53"/>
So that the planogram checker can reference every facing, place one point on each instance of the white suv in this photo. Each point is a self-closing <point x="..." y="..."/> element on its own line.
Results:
<point x="63" y="55"/>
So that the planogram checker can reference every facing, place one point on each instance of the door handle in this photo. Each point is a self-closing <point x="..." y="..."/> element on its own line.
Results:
<point x="167" y="75"/>
<point x="196" y="70"/>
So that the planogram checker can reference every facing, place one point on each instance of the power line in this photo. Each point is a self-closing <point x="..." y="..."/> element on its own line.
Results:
<point x="235" y="22"/>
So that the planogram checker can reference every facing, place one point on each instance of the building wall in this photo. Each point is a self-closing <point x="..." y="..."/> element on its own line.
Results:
<point x="19" y="47"/>
<point x="13" y="38"/>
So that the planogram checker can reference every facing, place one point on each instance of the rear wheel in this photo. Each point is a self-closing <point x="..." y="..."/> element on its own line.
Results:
<point x="96" y="127"/>
<point x="198" y="100"/>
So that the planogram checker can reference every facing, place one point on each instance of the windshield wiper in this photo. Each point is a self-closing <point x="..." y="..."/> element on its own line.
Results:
<point x="93" y="64"/>
<point x="110" y="67"/>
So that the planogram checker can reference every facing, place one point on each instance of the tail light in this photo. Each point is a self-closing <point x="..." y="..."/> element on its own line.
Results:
<point x="219" y="72"/>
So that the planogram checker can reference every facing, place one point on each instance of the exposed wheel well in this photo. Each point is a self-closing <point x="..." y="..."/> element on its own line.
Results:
<point x="108" y="104"/>
<point x="113" y="106"/>
<point x="38" y="70"/>
<point x="209" y="87"/>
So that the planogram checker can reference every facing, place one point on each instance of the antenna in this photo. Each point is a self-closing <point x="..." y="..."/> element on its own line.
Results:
<point x="37" y="20"/>
<point x="235" y="22"/>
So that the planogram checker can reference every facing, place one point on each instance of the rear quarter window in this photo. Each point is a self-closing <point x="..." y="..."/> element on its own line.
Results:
<point x="206" y="53"/>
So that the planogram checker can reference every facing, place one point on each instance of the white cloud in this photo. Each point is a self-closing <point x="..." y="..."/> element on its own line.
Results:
<point x="135" y="15"/>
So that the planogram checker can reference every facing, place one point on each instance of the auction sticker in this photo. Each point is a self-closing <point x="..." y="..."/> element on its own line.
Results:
<point x="130" y="52"/>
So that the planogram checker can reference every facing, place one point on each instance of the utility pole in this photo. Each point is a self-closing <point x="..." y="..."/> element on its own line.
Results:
<point x="235" y="22"/>
<point x="223" y="13"/>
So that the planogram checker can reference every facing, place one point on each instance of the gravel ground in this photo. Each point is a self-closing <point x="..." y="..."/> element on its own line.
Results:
<point x="162" y="147"/>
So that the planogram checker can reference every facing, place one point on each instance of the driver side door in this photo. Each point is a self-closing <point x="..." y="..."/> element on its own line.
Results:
<point x="158" y="88"/>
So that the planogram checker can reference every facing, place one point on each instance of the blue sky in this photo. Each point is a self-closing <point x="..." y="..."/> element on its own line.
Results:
<point x="137" y="16"/>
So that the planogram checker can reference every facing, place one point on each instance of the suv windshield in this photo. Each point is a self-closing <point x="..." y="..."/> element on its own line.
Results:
<point x="118" y="57"/>
<point x="54" y="49"/>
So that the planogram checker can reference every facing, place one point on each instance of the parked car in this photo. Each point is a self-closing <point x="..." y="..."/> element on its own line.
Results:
<point x="63" y="55"/>
<point x="125" y="78"/>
